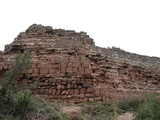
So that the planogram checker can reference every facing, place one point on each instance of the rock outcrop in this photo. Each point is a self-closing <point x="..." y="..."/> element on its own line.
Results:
<point x="69" y="67"/>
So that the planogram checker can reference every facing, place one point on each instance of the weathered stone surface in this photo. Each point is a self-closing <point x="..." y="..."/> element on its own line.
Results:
<point x="69" y="67"/>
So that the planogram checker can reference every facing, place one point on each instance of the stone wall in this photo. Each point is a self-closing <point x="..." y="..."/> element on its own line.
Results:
<point x="69" y="67"/>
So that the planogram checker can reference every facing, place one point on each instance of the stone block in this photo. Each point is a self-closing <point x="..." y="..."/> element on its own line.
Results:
<point x="76" y="65"/>
<point x="49" y="66"/>
<point x="76" y="92"/>
<point x="41" y="65"/>
<point x="69" y="70"/>
<point x="89" y="95"/>
<point x="91" y="99"/>
<point x="44" y="71"/>
<point x="63" y="66"/>
<point x="51" y="71"/>
<point x="96" y="94"/>
<point x="83" y="91"/>
<point x="84" y="65"/>
<point x="81" y="70"/>
<point x="33" y="66"/>
<point x="89" y="90"/>
<point x="87" y="70"/>
<point x="69" y="65"/>
<point x="55" y="75"/>
<point x="97" y="98"/>
<point x="36" y="71"/>
<point x="81" y="96"/>
<point x="30" y="71"/>
<point x="75" y="70"/>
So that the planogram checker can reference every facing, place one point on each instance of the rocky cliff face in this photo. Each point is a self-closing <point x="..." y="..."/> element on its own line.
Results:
<point x="69" y="67"/>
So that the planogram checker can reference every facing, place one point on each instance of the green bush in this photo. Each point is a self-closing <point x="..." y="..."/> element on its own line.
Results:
<point x="13" y="102"/>
<point x="150" y="109"/>
<point x="131" y="104"/>
<point x="23" y="103"/>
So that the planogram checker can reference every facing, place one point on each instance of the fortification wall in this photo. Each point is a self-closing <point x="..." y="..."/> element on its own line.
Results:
<point x="69" y="67"/>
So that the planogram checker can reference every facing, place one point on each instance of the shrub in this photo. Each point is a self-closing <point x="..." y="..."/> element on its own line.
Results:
<point x="150" y="109"/>
<point x="13" y="102"/>
<point x="130" y="104"/>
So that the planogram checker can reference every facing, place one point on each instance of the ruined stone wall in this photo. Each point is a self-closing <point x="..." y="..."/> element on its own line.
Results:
<point x="69" y="67"/>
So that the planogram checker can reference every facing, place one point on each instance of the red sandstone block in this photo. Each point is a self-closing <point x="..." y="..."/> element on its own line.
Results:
<point x="35" y="70"/>
<point x="97" y="98"/>
<point x="50" y="96"/>
<point x="75" y="96"/>
<point x="84" y="65"/>
<point x="42" y="84"/>
<point x="84" y="60"/>
<point x="89" y="95"/>
<point x="87" y="70"/>
<point x="41" y="75"/>
<point x="76" y="100"/>
<point x="83" y="91"/>
<point x="54" y="75"/>
<point x="41" y="65"/>
<point x="51" y="71"/>
<point x="69" y="65"/>
<point x="63" y="70"/>
<point x="63" y="65"/>
<point x="49" y="66"/>
<point x="76" y="65"/>
<point x="75" y="70"/>
<point x="7" y="62"/>
<point x="33" y="66"/>
<point x="58" y="92"/>
<point x="91" y="99"/>
<point x="53" y="92"/>
<point x="113" y="96"/>
<point x="82" y="51"/>
<point x="74" y="86"/>
<point x="81" y="70"/>
<point x="48" y="75"/>
<point x="53" y="61"/>
<point x="89" y="90"/>
<point x="68" y="86"/>
<point x="50" y="91"/>
<point x="61" y="74"/>
<point x="56" y="70"/>
<point x="94" y="84"/>
<point x="58" y="87"/>
<point x="71" y="57"/>
<point x="43" y="71"/>
<point x="1" y="67"/>
<point x="86" y="99"/>
<point x="69" y="70"/>
<point x="76" y="92"/>
<point x="64" y="96"/>
<point x="56" y="66"/>
<point x="9" y="66"/>
<point x="66" y="60"/>
<point x="6" y="66"/>
<point x="82" y="96"/>
<point x="96" y="94"/>
<point x="30" y="70"/>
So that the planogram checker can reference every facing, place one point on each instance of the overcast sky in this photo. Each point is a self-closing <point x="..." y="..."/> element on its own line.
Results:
<point x="132" y="25"/>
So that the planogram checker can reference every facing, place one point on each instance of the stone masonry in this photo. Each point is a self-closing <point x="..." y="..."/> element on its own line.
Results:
<point x="69" y="67"/>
